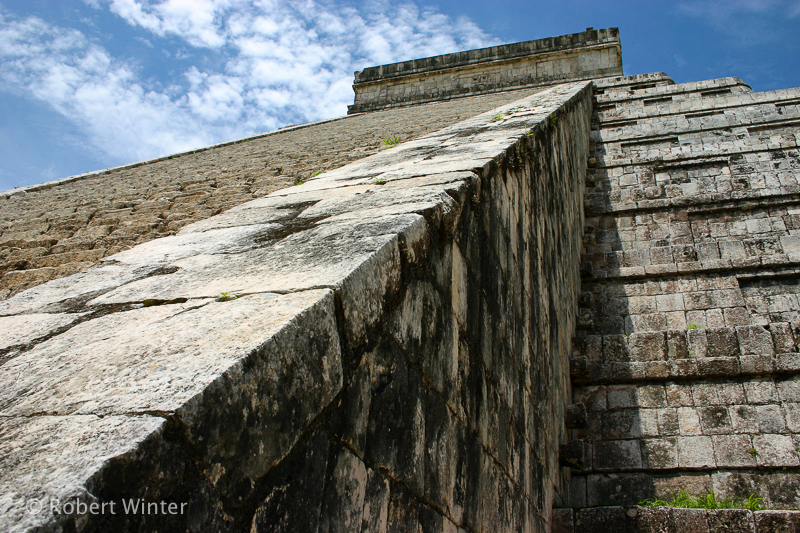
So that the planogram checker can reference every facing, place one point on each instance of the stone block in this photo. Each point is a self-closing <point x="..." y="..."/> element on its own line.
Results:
<point x="731" y="250"/>
<point x="623" y="423"/>
<point x="695" y="452"/>
<point x="575" y="416"/>
<point x="621" y="396"/>
<point x="754" y="340"/>
<point x="571" y="454"/>
<point x="592" y="348"/>
<point x="677" y="346"/>
<point x="782" y="337"/>
<point x="697" y="300"/>
<point x="563" y="521"/>
<point x="706" y="393"/>
<point x="653" y="519"/>
<point x="792" y="416"/>
<point x="669" y="302"/>
<point x="733" y="451"/>
<point x="577" y="491"/>
<point x="718" y="366"/>
<point x="605" y="520"/>
<point x="722" y="342"/>
<point x="775" y="450"/>
<point x="788" y="390"/>
<point x="744" y="418"/>
<point x="731" y="393"/>
<point x="668" y="421"/>
<point x="684" y="368"/>
<point x="647" y="346"/>
<point x="615" y="348"/>
<point x="688" y="521"/>
<point x="770" y="419"/>
<point x="726" y="298"/>
<point x="651" y="396"/>
<point x="714" y="420"/>
<point x="679" y="395"/>
<point x="594" y="397"/>
<point x="787" y="362"/>
<point x="731" y="521"/>
<point x="757" y="364"/>
<point x="660" y="453"/>
<point x="736" y="316"/>
<point x="777" y="521"/>
<point x="622" y="488"/>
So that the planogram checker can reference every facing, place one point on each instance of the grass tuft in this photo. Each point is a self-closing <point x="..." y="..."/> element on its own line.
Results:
<point x="688" y="501"/>
<point x="391" y="142"/>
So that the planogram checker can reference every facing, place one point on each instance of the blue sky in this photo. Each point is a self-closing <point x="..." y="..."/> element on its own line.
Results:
<point x="90" y="84"/>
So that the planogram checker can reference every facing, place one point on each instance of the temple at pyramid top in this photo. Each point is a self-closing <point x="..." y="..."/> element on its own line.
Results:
<point x="578" y="56"/>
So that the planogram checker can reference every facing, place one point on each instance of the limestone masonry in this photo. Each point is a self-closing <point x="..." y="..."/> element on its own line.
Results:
<point x="580" y="56"/>
<point x="563" y="292"/>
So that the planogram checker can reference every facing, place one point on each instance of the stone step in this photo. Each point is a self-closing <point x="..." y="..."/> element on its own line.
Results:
<point x="777" y="489"/>
<point x="770" y="236"/>
<point x="735" y="121"/>
<point x="692" y="301"/>
<point x="637" y="519"/>
<point x="636" y="82"/>
<point x="629" y="112"/>
<point x="750" y="347"/>
<point x="632" y="92"/>
<point x="682" y="144"/>
<point x="751" y="407"/>
<point x="766" y="174"/>
<point x="670" y="150"/>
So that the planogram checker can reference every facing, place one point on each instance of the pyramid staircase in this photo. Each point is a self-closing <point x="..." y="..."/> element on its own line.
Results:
<point x="687" y="360"/>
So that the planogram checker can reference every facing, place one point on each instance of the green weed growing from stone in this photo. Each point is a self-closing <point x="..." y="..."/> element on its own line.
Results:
<point x="226" y="296"/>
<point x="315" y="174"/>
<point x="683" y="500"/>
<point x="299" y="181"/>
<point x="692" y="326"/>
<point x="753" y="452"/>
<point x="380" y="181"/>
<point x="391" y="142"/>
<point x="553" y="119"/>
<point x="497" y="117"/>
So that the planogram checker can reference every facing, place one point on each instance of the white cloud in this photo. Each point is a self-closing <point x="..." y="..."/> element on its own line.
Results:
<point x="282" y="62"/>
<point x="744" y="22"/>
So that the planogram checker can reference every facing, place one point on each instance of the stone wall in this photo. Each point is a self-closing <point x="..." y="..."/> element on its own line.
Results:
<point x="579" y="56"/>
<point x="53" y="230"/>
<point x="687" y="360"/>
<point x="635" y="519"/>
<point x="383" y="348"/>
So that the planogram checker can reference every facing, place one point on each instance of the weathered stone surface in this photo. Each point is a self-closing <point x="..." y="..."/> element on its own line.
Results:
<point x="607" y="520"/>
<point x="21" y="330"/>
<point x="374" y="339"/>
<point x="563" y="521"/>
<point x="54" y="230"/>
<point x="693" y="291"/>
<point x="388" y="346"/>
<point x="48" y="460"/>
<point x="153" y="359"/>
<point x="731" y="520"/>
<point x="225" y="372"/>
<point x="591" y="54"/>
<point x="654" y="519"/>
<point x="689" y="520"/>
<point x="777" y="521"/>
